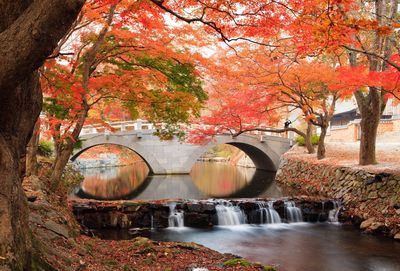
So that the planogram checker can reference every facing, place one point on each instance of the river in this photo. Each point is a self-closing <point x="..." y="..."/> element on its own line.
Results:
<point x="289" y="247"/>
<point x="297" y="246"/>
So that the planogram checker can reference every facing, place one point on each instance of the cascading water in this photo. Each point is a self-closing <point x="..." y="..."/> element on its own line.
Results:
<point x="268" y="215"/>
<point x="228" y="214"/>
<point x="334" y="213"/>
<point x="323" y="211"/>
<point x="293" y="213"/>
<point x="175" y="218"/>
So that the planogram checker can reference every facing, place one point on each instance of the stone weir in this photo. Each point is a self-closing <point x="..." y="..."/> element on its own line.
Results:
<point x="99" y="215"/>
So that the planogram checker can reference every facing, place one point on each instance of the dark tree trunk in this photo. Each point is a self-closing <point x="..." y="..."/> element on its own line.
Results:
<point x="369" y="127"/>
<point x="29" y="31"/>
<point x="370" y="116"/>
<point x="18" y="113"/>
<point x="31" y="151"/>
<point x="307" y="139"/>
<point x="321" y="143"/>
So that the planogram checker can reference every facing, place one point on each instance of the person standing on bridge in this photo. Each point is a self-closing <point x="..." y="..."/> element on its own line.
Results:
<point x="286" y="125"/>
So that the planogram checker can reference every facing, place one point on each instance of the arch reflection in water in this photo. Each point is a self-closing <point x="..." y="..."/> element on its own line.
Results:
<point x="207" y="180"/>
<point x="113" y="182"/>
<point x="222" y="180"/>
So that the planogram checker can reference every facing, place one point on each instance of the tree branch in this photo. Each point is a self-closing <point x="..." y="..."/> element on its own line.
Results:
<point x="388" y="61"/>
<point x="289" y="129"/>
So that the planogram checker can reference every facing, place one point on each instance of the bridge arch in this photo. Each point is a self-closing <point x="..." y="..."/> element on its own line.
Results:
<point x="262" y="155"/>
<point x="148" y="157"/>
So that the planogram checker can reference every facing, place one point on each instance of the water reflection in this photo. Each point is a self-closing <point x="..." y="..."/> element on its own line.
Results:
<point x="113" y="182"/>
<point x="220" y="180"/>
<point x="207" y="180"/>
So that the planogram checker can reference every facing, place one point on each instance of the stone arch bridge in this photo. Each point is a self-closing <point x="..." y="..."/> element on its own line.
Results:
<point x="174" y="157"/>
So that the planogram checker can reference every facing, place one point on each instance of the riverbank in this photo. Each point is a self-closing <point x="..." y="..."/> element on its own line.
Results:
<point x="370" y="194"/>
<point x="59" y="245"/>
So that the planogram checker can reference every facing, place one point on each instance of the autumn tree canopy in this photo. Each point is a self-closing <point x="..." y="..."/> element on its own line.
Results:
<point x="283" y="33"/>
<point x="112" y="57"/>
<point x="361" y="35"/>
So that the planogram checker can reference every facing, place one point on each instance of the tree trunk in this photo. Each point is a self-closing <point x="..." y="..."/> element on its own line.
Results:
<point x="31" y="152"/>
<point x="18" y="113"/>
<point x="307" y="139"/>
<point x="29" y="31"/>
<point x="321" y="143"/>
<point x="371" y="110"/>
<point x="65" y="149"/>
<point x="60" y="161"/>
<point x="372" y="103"/>
<point x="369" y="128"/>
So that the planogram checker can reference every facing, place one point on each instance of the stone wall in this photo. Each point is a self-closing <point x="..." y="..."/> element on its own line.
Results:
<point x="343" y="133"/>
<point x="385" y="127"/>
<point x="350" y="132"/>
<point x="104" y="160"/>
<point x="370" y="200"/>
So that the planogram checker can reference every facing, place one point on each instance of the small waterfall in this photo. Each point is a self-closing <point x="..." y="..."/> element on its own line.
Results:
<point x="293" y="213"/>
<point x="322" y="211"/>
<point x="268" y="215"/>
<point x="151" y="222"/>
<point x="334" y="213"/>
<point x="228" y="214"/>
<point x="175" y="218"/>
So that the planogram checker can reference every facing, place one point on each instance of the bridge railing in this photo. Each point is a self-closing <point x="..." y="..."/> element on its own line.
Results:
<point x="261" y="133"/>
<point x="117" y="126"/>
<point x="140" y="125"/>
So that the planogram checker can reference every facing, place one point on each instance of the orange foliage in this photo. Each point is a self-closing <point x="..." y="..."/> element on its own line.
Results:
<point x="108" y="64"/>
<point x="277" y="61"/>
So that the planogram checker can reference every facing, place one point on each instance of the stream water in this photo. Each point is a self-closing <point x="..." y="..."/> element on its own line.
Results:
<point x="290" y="246"/>
<point x="296" y="246"/>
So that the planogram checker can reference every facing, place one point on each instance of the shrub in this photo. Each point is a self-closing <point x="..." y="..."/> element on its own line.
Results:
<point x="237" y="261"/>
<point x="315" y="139"/>
<point x="301" y="142"/>
<point x="45" y="148"/>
